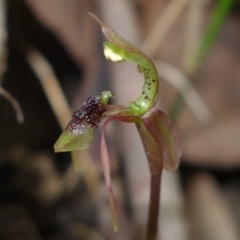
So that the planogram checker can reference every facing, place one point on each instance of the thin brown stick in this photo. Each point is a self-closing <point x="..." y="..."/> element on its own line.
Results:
<point x="50" y="85"/>
<point x="63" y="112"/>
<point x="162" y="25"/>
<point x="193" y="34"/>
<point x="184" y="86"/>
<point x="14" y="103"/>
<point x="3" y="39"/>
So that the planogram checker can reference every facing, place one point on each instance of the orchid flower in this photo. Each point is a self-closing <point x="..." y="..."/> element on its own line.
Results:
<point x="159" y="136"/>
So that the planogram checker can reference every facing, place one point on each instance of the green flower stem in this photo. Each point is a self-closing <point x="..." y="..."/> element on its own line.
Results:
<point x="208" y="40"/>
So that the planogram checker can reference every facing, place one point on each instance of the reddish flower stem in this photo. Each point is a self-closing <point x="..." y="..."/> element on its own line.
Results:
<point x="152" y="226"/>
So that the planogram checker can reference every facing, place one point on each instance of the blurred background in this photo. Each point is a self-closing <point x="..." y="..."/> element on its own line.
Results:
<point x="51" y="60"/>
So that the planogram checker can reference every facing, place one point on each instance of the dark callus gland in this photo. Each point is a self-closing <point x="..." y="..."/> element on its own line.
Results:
<point x="91" y="111"/>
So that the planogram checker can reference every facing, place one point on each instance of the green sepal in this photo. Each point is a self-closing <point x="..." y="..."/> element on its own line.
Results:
<point x="80" y="138"/>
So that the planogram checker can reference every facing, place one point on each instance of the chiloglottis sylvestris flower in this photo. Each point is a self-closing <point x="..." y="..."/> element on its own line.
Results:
<point x="159" y="136"/>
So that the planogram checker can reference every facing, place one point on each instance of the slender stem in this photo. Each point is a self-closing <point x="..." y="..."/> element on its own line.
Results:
<point x="155" y="159"/>
<point x="152" y="227"/>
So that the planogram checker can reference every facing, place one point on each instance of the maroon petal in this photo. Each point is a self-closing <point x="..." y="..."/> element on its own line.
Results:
<point x="106" y="165"/>
<point x="152" y="149"/>
<point x="165" y="134"/>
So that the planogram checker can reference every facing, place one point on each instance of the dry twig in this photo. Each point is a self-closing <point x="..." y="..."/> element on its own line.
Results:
<point x="62" y="111"/>
<point x="14" y="103"/>
<point x="162" y="25"/>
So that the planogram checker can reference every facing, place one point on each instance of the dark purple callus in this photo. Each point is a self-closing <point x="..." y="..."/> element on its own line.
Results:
<point x="91" y="111"/>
